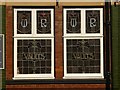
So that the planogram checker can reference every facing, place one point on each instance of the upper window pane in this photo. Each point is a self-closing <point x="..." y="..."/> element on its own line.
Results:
<point x="92" y="21"/>
<point x="43" y="22"/>
<point x="73" y="21"/>
<point x="23" y="22"/>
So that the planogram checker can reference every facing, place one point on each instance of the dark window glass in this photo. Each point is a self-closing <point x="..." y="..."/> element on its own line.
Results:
<point x="34" y="56"/>
<point x="83" y="55"/>
<point x="73" y="21"/>
<point x="23" y="22"/>
<point x="43" y="22"/>
<point x="92" y="21"/>
<point x="1" y="51"/>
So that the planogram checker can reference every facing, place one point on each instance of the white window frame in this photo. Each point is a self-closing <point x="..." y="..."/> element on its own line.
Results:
<point x="33" y="36"/>
<point x="84" y="35"/>
<point x="3" y="60"/>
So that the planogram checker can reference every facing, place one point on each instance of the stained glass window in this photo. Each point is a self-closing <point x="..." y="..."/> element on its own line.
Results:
<point x="83" y="43"/>
<point x="33" y="49"/>
<point x="83" y="56"/>
<point x="73" y="21"/>
<point x="43" y="22"/>
<point x="92" y="21"/>
<point x="24" y="22"/>
<point x="34" y="56"/>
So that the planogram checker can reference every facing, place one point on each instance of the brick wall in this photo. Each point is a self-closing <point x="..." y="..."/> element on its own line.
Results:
<point x="58" y="56"/>
<point x="58" y="43"/>
<point x="9" y="41"/>
<point x="57" y="87"/>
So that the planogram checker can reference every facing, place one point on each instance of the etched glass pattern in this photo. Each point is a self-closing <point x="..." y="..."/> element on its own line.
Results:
<point x="34" y="56"/>
<point x="92" y="21"/>
<point x="43" y="22"/>
<point x="83" y="56"/>
<point x="73" y="21"/>
<point x="23" y="22"/>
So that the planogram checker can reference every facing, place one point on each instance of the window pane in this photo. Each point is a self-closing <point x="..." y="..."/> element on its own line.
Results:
<point x="73" y="21"/>
<point x="23" y="22"/>
<point x="83" y="56"/>
<point x="34" y="56"/>
<point x="1" y="51"/>
<point x="92" y="21"/>
<point x="43" y="22"/>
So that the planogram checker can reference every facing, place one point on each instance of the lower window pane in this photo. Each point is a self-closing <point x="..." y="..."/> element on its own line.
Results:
<point x="83" y="55"/>
<point x="34" y="56"/>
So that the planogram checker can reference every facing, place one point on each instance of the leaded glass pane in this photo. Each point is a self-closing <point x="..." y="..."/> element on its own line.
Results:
<point x="34" y="56"/>
<point x="23" y="22"/>
<point x="73" y="21"/>
<point x="43" y="22"/>
<point x="83" y="56"/>
<point x="92" y="21"/>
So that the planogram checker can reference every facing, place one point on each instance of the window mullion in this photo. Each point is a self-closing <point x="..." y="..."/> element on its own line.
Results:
<point x="101" y="21"/>
<point x="83" y="22"/>
<point x="52" y="22"/>
<point x="15" y="22"/>
<point x="65" y="22"/>
<point x="33" y="22"/>
<point x="102" y="56"/>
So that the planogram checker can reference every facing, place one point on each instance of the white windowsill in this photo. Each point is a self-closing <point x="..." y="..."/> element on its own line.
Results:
<point x="30" y="78"/>
<point x="83" y="77"/>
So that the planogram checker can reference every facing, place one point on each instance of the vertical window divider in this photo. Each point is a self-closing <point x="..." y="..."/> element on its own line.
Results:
<point x="34" y="22"/>
<point x="15" y="21"/>
<point x="82" y="21"/>
<point x="52" y="20"/>
<point x="64" y="22"/>
<point x="101" y="21"/>
<point x="65" y="61"/>
<point x="15" y="57"/>
<point x="102" y="56"/>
